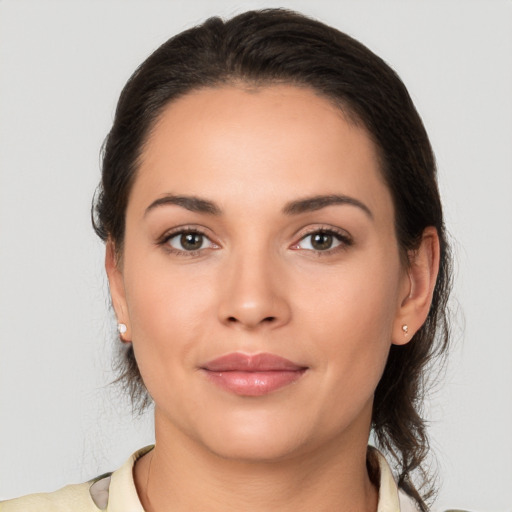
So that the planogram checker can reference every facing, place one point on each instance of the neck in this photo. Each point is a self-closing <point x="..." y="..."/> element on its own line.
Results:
<point x="179" y="475"/>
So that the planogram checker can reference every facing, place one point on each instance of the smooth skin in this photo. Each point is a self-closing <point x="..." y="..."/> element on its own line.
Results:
<point x="255" y="266"/>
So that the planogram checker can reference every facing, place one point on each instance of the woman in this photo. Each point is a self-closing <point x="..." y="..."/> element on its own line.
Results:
<point x="278" y="268"/>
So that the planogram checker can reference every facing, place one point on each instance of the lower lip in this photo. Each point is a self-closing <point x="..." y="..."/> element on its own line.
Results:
<point x="254" y="383"/>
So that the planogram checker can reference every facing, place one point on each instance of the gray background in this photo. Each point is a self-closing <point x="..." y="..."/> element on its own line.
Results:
<point x="62" y="66"/>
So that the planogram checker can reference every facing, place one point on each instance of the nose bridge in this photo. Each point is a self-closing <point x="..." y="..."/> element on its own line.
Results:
<point x="253" y="289"/>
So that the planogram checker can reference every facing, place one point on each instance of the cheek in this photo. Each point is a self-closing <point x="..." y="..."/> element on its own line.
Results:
<point x="163" y="297"/>
<point x="168" y="310"/>
<point x="350" y="316"/>
<point x="352" y="300"/>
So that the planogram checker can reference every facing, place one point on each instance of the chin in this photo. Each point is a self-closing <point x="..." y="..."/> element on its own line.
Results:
<point x="255" y="449"/>
<point x="255" y="439"/>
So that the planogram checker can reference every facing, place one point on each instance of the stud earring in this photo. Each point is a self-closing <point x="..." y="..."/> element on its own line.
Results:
<point x="121" y="328"/>
<point x="405" y="329"/>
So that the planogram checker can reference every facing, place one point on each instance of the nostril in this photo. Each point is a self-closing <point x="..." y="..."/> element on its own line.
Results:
<point x="268" y="319"/>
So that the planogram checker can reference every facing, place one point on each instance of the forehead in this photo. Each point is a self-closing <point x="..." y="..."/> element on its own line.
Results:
<point x="283" y="140"/>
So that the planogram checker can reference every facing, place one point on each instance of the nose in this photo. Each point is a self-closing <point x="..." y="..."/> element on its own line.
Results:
<point x="254" y="293"/>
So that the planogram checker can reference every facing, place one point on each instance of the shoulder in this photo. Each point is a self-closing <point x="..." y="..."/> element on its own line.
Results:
<point x="75" y="498"/>
<point x="114" y="492"/>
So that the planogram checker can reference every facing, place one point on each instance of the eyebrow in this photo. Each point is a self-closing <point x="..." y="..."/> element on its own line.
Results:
<point x="308" y="204"/>
<point x="192" y="203"/>
<point x="311" y="204"/>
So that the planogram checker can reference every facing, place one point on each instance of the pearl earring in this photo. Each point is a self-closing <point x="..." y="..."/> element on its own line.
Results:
<point x="121" y="328"/>
<point x="405" y="329"/>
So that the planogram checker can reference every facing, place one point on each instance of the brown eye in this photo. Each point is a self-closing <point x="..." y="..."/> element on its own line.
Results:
<point x="321" y="241"/>
<point x="189" y="241"/>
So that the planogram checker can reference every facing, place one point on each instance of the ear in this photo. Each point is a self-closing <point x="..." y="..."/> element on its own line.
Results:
<point x="416" y="294"/>
<point x="117" y="291"/>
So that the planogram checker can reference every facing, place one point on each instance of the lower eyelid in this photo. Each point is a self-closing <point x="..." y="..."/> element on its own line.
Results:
<point x="165" y="240"/>
<point x="343" y="240"/>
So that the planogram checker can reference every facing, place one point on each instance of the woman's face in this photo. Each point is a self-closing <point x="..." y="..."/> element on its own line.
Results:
<point x="259" y="229"/>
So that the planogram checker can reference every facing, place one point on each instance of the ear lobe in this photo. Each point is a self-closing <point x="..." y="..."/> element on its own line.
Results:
<point x="422" y="272"/>
<point x="116" y="286"/>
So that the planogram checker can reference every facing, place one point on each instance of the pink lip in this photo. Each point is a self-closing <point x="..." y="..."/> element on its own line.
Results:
<point x="252" y="374"/>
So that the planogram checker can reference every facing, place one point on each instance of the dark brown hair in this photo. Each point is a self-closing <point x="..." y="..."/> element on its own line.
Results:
<point x="279" y="46"/>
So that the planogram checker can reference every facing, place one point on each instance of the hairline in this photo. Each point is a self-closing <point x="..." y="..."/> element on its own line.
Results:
<point x="253" y="85"/>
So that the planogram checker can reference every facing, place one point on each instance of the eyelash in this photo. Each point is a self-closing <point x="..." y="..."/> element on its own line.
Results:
<point x="342" y="237"/>
<point x="167" y="237"/>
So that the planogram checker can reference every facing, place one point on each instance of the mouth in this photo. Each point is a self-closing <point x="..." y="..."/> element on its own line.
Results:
<point x="252" y="374"/>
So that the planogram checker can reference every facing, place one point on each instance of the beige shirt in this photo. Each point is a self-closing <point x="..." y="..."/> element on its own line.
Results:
<point x="117" y="493"/>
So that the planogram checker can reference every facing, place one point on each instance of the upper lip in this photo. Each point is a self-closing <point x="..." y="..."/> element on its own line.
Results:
<point x="262" y="362"/>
